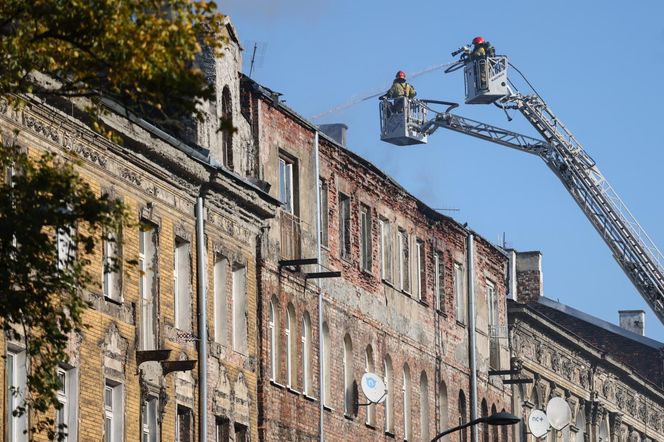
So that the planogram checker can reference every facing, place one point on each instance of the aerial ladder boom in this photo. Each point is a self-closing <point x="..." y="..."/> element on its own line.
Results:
<point x="631" y="246"/>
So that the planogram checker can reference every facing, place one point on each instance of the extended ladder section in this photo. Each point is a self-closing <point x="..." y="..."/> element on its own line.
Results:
<point x="636" y="253"/>
<point x="632" y="248"/>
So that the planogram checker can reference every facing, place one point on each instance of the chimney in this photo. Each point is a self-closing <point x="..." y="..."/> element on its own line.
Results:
<point x="335" y="131"/>
<point x="633" y="320"/>
<point x="529" y="281"/>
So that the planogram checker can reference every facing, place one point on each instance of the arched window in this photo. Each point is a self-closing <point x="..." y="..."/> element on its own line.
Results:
<point x="291" y="347"/>
<point x="504" y="429"/>
<point x="462" y="415"/>
<point x="227" y="124"/>
<point x="326" y="365"/>
<point x="273" y="334"/>
<point x="348" y="376"/>
<point x="389" y="399"/>
<point x="369" y="368"/>
<point x="407" y="427"/>
<point x="494" y="428"/>
<point x="306" y="355"/>
<point x="484" y="409"/>
<point x="424" y="407"/>
<point x="444" y="411"/>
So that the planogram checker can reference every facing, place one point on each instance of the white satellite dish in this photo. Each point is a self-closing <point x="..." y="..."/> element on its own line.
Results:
<point x="558" y="413"/>
<point x="373" y="388"/>
<point x="538" y="423"/>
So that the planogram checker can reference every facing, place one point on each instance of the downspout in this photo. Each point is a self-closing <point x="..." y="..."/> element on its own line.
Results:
<point x="202" y="322"/>
<point x="472" y="338"/>
<point x="321" y="432"/>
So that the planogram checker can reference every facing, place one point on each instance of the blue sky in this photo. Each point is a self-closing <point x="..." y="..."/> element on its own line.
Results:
<point x="598" y="65"/>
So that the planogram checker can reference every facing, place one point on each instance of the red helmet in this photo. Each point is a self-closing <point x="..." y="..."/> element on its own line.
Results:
<point x="478" y="40"/>
<point x="401" y="74"/>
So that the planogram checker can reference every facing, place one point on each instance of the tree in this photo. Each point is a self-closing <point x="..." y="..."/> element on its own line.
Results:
<point x="141" y="53"/>
<point x="50" y="223"/>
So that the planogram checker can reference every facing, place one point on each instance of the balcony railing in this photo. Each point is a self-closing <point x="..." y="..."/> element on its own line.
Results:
<point x="291" y="236"/>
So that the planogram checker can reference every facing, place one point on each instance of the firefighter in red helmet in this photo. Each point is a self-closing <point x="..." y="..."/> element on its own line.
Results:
<point x="401" y="88"/>
<point x="481" y="49"/>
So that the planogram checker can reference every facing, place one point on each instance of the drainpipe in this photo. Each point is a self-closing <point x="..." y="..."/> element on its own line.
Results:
<point x="320" y="292"/>
<point x="472" y="338"/>
<point x="202" y="322"/>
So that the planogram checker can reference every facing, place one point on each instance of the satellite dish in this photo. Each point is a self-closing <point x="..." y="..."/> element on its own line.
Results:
<point x="373" y="388"/>
<point x="538" y="423"/>
<point x="558" y="413"/>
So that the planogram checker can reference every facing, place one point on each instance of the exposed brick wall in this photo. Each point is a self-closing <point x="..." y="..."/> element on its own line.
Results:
<point x="372" y="312"/>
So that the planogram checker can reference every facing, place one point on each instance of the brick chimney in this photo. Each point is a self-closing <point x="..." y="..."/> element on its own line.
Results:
<point x="529" y="281"/>
<point x="335" y="131"/>
<point x="633" y="320"/>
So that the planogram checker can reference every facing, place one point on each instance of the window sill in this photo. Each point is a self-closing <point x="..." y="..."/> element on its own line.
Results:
<point x="389" y="434"/>
<point x="461" y="324"/>
<point x="277" y="384"/>
<point x="371" y="426"/>
<point x="292" y="390"/>
<point x="367" y="272"/>
<point x="349" y="417"/>
<point x="328" y="408"/>
<point x="310" y="398"/>
<point x="387" y="282"/>
<point x="423" y="302"/>
<point x="441" y="313"/>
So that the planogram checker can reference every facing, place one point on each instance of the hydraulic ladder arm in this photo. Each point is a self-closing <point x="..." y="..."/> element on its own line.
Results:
<point x="632" y="248"/>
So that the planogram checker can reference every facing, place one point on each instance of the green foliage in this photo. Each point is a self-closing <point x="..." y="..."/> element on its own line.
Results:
<point x="51" y="221"/>
<point x="139" y="52"/>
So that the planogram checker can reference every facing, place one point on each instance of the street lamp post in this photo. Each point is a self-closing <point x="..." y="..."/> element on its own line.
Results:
<point x="501" y="418"/>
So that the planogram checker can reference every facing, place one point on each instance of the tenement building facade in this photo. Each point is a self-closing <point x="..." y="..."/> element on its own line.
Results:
<point x="382" y="286"/>
<point x="135" y="372"/>
<point x="612" y="378"/>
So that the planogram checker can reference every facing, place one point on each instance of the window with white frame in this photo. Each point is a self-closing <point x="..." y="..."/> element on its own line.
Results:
<point x="327" y="383"/>
<point x="348" y="376"/>
<point x="324" y="214"/>
<point x="494" y="343"/>
<point x="65" y="417"/>
<point x="147" y="285"/>
<point x="424" y="407"/>
<point x="16" y="381"/>
<point x="273" y="334"/>
<point x="240" y="309"/>
<point x="113" y="416"/>
<point x="459" y="293"/>
<point x="439" y="281"/>
<point x="365" y="238"/>
<point x="389" y="398"/>
<point x="182" y="284"/>
<point x="407" y="424"/>
<point x="66" y="247"/>
<point x="307" y="372"/>
<point x="404" y="260"/>
<point x="112" y="263"/>
<point x="385" y="250"/>
<point x="492" y="302"/>
<point x="369" y="368"/>
<point x="287" y="176"/>
<point x="149" y="419"/>
<point x="184" y="428"/>
<point x="291" y="347"/>
<point x="221" y="271"/>
<point x="344" y="226"/>
<point x="421" y="270"/>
